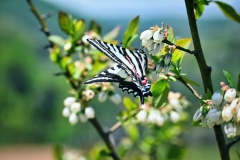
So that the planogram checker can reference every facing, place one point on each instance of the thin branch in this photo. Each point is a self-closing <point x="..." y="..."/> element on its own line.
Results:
<point x="178" y="47"/>
<point x="119" y="124"/>
<point x="230" y="144"/>
<point x="189" y="87"/>
<point x="205" y="74"/>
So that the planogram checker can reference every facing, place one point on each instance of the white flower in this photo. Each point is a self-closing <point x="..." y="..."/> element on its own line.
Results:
<point x="66" y="112"/>
<point x="234" y="105"/>
<point x="141" y="116"/>
<point x="146" y="35"/>
<point x="198" y="115"/>
<point x="217" y="98"/>
<point x="82" y="118"/>
<point x="155" y="117"/>
<point x="102" y="96"/>
<point x="75" y="107"/>
<point x="68" y="101"/>
<point x="116" y="98"/>
<point x="227" y="113"/>
<point x="174" y="116"/>
<point x="89" y="112"/>
<point x="230" y="130"/>
<point x="84" y="39"/>
<point x="73" y="119"/>
<point x="154" y="49"/>
<point x="214" y="117"/>
<point x="157" y="36"/>
<point x="230" y="94"/>
<point x="89" y="94"/>
<point x="204" y="122"/>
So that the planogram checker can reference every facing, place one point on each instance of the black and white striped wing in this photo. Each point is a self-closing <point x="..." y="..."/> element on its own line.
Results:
<point x="134" y="62"/>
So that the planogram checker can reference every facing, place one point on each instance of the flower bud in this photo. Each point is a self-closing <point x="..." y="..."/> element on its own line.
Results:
<point x="66" y="112"/>
<point x="168" y="58"/>
<point x="147" y="43"/>
<point x="230" y="94"/>
<point x="89" y="112"/>
<point x="89" y="94"/>
<point x="157" y="37"/>
<point x="198" y="115"/>
<point x="146" y="35"/>
<point x="230" y="130"/>
<point x="159" y="66"/>
<point x="213" y="117"/>
<point x="234" y="105"/>
<point x="174" y="116"/>
<point x="227" y="114"/>
<point x="238" y="116"/>
<point x="84" y="39"/>
<point x="102" y="96"/>
<point x="154" y="49"/>
<point x="75" y="107"/>
<point x="68" y="101"/>
<point x="141" y="116"/>
<point x="116" y="98"/>
<point x="82" y="118"/>
<point x="155" y="117"/>
<point x="204" y="122"/>
<point x="217" y="98"/>
<point x="166" y="69"/>
<point x="73" y="119"/>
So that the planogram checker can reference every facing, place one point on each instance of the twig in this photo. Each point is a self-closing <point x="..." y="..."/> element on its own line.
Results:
<point x="74" y="85"/>
<point x="205" y="74"/>
<point x="119" y="124"/>
<point x="230" y="144"/>
<point x="178" y="47"/>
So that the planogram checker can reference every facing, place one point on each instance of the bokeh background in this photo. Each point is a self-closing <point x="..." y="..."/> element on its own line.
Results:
<point x="31" y="98"/>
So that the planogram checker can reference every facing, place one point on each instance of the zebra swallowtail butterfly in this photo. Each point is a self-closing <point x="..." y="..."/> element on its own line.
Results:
<point x="129" y="72"/>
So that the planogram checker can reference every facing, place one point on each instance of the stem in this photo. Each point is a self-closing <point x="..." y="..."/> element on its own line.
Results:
<point x="94" y="121"/>
<point x="206" y="75"/>
<point x="230" y="144"/>
<point x="178" y="47"/>
<point x="105" y="138"/>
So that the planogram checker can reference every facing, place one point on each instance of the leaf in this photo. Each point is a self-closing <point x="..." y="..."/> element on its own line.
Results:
<point x="129" y="104"/>
<point x="112" y="34"/>
<point x="55" y="55"/>
<point x="64" y="22"/>
<point x="190" y="81"/>
<point x="171" y="36"/>
<point x="208" y="94"/>
<point x="56" y="40"/>
<point x="178" y="54"/>
<point x="228" y="11"/>
<point x="132" y="131"/>
<point x="199" y="9"/>
<point x="131" y="39"/>
<point x="238" y="84"/>
<point x="131" y="30"/>
<point x="160" y="92"/>
<point x="65" y="61"/>
<point x="104" y="153"/>
<point x="197" y="123"/>
<point x="94" y="26"/>
<point x="79" y="30"/>
<point x="228" y="79"/>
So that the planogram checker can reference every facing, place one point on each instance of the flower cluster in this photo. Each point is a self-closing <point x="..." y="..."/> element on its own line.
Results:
<point x="171" y="111"/>
<point x="72" y="111"/>
<point x="223" y="107"/>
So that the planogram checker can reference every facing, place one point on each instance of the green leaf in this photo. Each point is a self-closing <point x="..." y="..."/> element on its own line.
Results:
<point x="160" y="91"/>
<point x="122" y="115"/>
<point x="132" y="131"/>
<point x="208" y="94"/>
<point x="178" y="54"/>
<point x="131" y="39"/>
<point x="129" y="104"/>
<point x="112" y="34"/>
<point x="238" y="84"/>
<point x="64" y="22"/>
<point x="56" y="40"/>
<point x="171" y="36"/>
<point x="79" y="30"/>
<point x="131" y="30"/>
<point x="65" y="61"/>
<point x="94" y="26"/>
<point x="199" y="9"/>
<point x="58" y="151"/>
<point x="190" y="81"/>
<point x="228" y="79"/>
<point x="228" y="11"/>
<point x="197" y="123"/>
<point x="55" y="55"/>
<point x="104" y="153"/>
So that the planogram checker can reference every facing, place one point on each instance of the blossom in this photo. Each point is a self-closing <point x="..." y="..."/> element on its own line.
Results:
<point x="230" y="130"/>
<point x="66" y="112"/>
<point x="198" y="115"/>
<point x="82" y="118"/>
<point x="155" y="117"/>
<point x="68" y="101"/>
<point x="227" y="113"/>
<point x="174" y="116"/>
<point x="230" y="94"/>
<point x="73" y="119"/>
<point x="89" y="94"/>
<point x="159" y="66"/>
<point x="75" y="107"/>
<point x="89" y="112"/>
<point x="146" y="35"/>
<point x="141" y="116"/>
<point x="158" y="36"/>
<point x="214" y="117"/>
<point x="102" y="96"/>
<point x="116" y="98"/>
<point x="217" y="98"/>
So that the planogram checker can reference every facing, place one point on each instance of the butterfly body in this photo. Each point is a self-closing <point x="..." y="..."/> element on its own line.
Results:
<point x="129" y="72"/>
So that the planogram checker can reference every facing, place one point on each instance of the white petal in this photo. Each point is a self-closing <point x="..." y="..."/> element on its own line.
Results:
<point x="146" y="35"/>
<point x="217" y="98"/>
<point x="68" y="101"/>
<point x="230" y="94"/>
<point x="89" y="112"/>
<point x="66" y="112"/>
<point x="75" y="107"/>
<point x="73" y="119"/>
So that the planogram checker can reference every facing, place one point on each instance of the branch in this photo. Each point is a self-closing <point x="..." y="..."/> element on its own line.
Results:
<point x="119" y="124"/>
<point x="230" y="144"/>
<point x="189" y="87"/>
<point x="178" y="47"/>
<point x="205" y="73"/>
